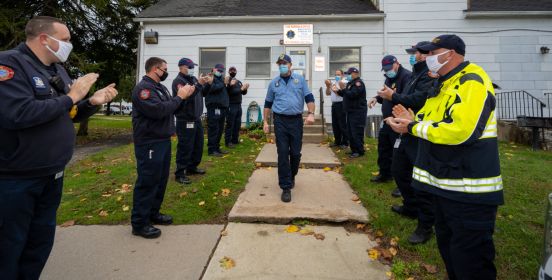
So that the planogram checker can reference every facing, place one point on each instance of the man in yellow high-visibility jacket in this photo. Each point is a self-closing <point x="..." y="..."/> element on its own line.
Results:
<point x="458" y="158"/>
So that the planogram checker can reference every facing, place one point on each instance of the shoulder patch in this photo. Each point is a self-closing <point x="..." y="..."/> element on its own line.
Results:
<point x="358" y="83"/>
<point x="6" y="73"/>
<point x="39" y="83"/>
<point x="145" y="94"/>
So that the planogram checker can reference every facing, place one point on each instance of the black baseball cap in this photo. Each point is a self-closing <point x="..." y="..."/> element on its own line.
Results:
<point x="352" y="70"/>
<point x="283" y="58"/>
<point x="446" y="41"/>
<point x="387" y="62"/>
<point x="414" y="48"/>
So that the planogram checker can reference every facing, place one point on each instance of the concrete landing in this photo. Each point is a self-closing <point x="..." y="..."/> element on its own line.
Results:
<point x="267" y="252"/>
<point x="313" y="156"/>
<point x="111" y="252"/>
<point x="318" y="195"/>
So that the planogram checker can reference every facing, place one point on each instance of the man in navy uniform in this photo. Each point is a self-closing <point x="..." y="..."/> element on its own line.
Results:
<point x="235" y="90"/>
<point x="39" y="105"/>
<point x="189" y="128"/>
<point x="286" y="96"/>
<point x="355" y="106"/>
<point x="416" y="203"/>
<point x="339" y="116"/>
<point x="153" y="126"/>
<point x="216" y="101"/>
<point x="396" y="78"/>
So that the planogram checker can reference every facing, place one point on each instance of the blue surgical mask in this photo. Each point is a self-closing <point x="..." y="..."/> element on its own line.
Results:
<point x="391" y="74"/>
<point x="337" y="78"/>
<point x="413" y="59"/>
<point x="284" y="69"/>
<point x="217" y="73"/>
<point x="349" y="77"/>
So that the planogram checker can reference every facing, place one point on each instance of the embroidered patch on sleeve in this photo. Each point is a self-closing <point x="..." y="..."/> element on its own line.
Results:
<point x="6" y="73"/>
<point x="358" y="83"/>
<point x="145" y="94"/>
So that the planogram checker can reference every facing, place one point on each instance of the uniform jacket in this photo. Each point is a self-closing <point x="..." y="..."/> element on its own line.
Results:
<point x="36" y="128"/>
<point x="216" y="95"/>
<point x="398" y="84"/>
<point x="458" y="153"/>
<point x="152" y="112"/>
<point x="354" y="96"/>
<point x="191" y="108"/>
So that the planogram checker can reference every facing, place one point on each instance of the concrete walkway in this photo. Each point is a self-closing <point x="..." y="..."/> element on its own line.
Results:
<point x="312" y="156"/>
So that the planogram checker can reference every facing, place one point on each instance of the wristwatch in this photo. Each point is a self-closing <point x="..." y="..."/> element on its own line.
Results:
<point x="311" y="113"/>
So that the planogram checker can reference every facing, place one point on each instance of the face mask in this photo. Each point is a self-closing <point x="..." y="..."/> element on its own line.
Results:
<point x="191" y="72"/>
<point x="217" y="73"/>
<point x="349" y="77"/>
<point x="391" y="74"/>
<point x="164" y="76"/>
<point x="433" y="62"/>
<point x="232" y="75"/>
<point x="413" y="59"/>
<point x="284" y="69"/>
<point x="337" y="78"/>
<point x="63" y="51"/>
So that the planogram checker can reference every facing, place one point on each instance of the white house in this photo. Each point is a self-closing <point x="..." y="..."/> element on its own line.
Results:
<point x="508" y="38"/>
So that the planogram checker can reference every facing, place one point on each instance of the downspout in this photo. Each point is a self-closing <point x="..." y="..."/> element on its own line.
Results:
<point x="382" y="8"/>
<point x="140" y="47"/>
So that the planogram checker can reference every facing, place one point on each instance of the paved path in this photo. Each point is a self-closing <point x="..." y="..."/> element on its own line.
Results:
<point x="312" y="156"/>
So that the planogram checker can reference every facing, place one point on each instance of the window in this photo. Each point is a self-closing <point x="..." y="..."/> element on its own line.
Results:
<point x="208" y="58"/>
<point x="258" y="63"/>
<point x="344" y="58"/>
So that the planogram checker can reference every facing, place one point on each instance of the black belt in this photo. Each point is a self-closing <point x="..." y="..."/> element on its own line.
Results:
<point x="289" y="116"/>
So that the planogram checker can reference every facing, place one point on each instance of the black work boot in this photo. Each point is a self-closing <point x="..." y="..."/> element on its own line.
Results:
<point x="420" y="235"/>
<point x="381" y="179"/>
<point x="286" y="195"/>
<point x="396" y="193"/>
<point x="148" y="232"/>
<point x="183" y="180"/>
<point x="399" y="209"/>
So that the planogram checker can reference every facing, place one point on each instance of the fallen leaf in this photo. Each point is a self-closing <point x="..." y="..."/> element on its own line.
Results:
<point x="224" y="233"/>
<point x="125" y="188"/>
<point x="101" y="171"/>
<point x="233" y="173"/>
<point x="360" y="226"/>
<point x="227" y="262"/>
<point x="306" y="231"/>
<point x="76" y="175"/>
<point x="378" y="240"/>
<point x="69" y="223"/>
<point x="126" y="208"/>
<point x="119" y="198"/>
<point x="389" y="274"/>
<point x="394" y="241"/>
<point x="326" y="169"/>
<point x="201" y="203"/>
<point x="183" y="194"/>
<point x="355" y="198"/>
<point x="386" y="254"/>
<point x="319" y="236"/>
<point x="410" y="278"/>
<point x="373" y="254"/>
<point x="225" y="192"/>
<point x="258" y="164"/>
<point x="393" y="251"/>
<point x="194" y="190"/>
<point x="83" y="199"/>
<point x="508" y="154"/>
<point x="106" y="195"/>
<point x="430" y="268"/>
<point x="379" y="233"/>
<point x="375" y="173"/>
<point x="292" y="228"/>
<point x="103" y="213"/>
<point x="216" y="193"/>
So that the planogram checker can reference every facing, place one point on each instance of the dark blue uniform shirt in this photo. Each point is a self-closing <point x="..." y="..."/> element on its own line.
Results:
<point x="191" y="108"/>
<point x="152" y="112"/>
<point x="37" y="135"/>
<point x="216" y="95"/>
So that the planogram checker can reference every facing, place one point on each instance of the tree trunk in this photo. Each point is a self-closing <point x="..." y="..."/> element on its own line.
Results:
<point x="83" y="128"/>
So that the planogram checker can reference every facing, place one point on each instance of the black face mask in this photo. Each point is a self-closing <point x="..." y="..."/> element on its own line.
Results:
<point x="232" y="74"/>
<point x="164" y="76"/>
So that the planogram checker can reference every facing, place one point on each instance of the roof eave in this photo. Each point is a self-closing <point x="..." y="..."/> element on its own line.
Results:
<point x="283" y="18"/>
<point x="506" y="14"/>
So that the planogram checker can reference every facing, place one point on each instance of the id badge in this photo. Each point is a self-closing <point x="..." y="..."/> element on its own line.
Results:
<point x="58" y="175"/>
<point x="397" y="143"/>
<point x="190" y="125"/>
<point x="381" y="124"/>
<point x="217" y="112"/>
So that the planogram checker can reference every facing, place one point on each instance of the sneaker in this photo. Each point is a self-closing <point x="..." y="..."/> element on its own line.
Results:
<point x="286" y="195"/>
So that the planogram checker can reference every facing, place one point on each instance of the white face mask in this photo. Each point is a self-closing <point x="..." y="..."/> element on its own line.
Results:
<point x="433" y="62"/>
<point x="63" y="51"/>
<point x="191" y="72"/>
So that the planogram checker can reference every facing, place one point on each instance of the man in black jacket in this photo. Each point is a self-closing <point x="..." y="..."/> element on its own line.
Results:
<point x="416" y="204"/>
<point x="235" y="90"/>
<point x="39" y="105"/>
<point x="217" y="102"/>
<point x="396" y="78"/>
<point x="189" y="128"/>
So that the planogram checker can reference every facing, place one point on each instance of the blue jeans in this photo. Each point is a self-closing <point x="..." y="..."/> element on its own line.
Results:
<point x="27" y="225"/>
<point x="289" y="140"/>
<point x="189" y="150"/>
<point x="153" y="162"/>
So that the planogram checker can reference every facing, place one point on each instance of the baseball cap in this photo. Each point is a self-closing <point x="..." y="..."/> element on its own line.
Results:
<point x="284" y="57"/>
<point x="387" y="62"/>
<point x="414" y="48"/>
<point x="352" y="70"/>
<point x="232" y="68"/>
<point x="188" y="62"/>
<point x="446" y="41"/>
<point x="220" y="67"/>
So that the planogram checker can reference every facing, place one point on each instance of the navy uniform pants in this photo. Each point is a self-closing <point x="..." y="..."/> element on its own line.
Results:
<point x="464" y="234"/>
<point x="356" y="122"/>
<point x="289" y="141"/>
<point x="339" y="124"/>
<point x="27" y="225"/>
<point x="153" y="161"/>
<point x="386" y="140"/>
<point x="189" y="150"/>
<point x="414" y="201"/>
<point x="215" y="128"/>
<point x="233" y="124"/>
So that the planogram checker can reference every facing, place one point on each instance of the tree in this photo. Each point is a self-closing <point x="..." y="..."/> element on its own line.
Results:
<point x="103" y="35"/>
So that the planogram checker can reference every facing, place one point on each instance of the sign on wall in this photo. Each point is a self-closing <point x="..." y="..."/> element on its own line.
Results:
<point x="319" y="63"/>
<point x="298" y="34"/>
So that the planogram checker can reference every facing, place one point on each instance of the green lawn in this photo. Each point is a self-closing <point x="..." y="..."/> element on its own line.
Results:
<point x="520" y="222"/>
<point x="102" y="127"/>
<point x="94" y="187"/>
